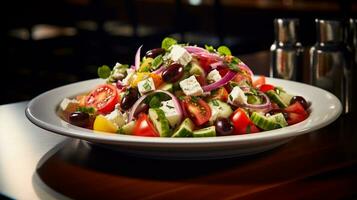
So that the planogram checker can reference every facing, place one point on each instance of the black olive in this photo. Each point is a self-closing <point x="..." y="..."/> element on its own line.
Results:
<point x="173" y="73"/>
<point x="224" y="127"/>
<point x="129" y="99"/>
<point x="301" y="100"/>
<point x="80" y="119"/>
<point x="154" y="52"/>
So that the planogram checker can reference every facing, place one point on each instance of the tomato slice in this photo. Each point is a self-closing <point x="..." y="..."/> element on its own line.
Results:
<point x="260" y="81"/>
<point x="103" y="98"/>
<point x="197" y="109"/>
<point x="296" y="113"/>
<point x="241" y="122"/>
<point x="223" y="71"/>
<point x="201" y="80"/>
<point x="294" y="118"/>
<point x="266" y="87"/>
<point x="220" y="94"/>
<point x="296" y="108"/>
<point x="205" y="62"/>
<point x="144" y="127"/>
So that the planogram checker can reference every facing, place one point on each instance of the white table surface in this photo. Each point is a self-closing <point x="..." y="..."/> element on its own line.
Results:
<point x="22" y="145"/>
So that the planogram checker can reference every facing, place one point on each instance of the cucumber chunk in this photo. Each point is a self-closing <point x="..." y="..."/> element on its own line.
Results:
<point x="273" y="96"/>
<point x="185" y="129"/>
<point x="127" y="129"/>
<point x="167" y="87"/>
<point x="279" y="119"/>
<point x="196" y="70"/>
<point x="219" y="109"/>
<point x="205" y="132"/>
<point x="157" y="116"/>
<point x="253" y="99"/>
<point x="285" y="97"/>
<point x="263" y="122"/>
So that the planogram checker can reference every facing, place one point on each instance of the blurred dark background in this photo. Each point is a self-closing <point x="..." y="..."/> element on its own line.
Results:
<point x="51" y="43"/>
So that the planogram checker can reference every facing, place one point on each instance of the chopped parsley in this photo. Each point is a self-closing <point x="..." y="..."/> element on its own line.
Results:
<point x="248" y="129"/>
<point x="230" y="97"/>
<point x="215" y="102"/>
<point x="147" y="85"/>
<point x="89" y="110"/>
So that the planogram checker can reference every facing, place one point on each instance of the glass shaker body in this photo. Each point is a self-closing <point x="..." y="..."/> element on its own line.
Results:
<point x="328" y="59"/>
<point x="286" y="51"/>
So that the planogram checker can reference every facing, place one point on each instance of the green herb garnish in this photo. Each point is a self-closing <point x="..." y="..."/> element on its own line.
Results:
<point x="248" y="129"/>
<point x="215" y="102"/>
<point x="210" y="49"/>
<point x="224" y="50"/>
<point x="104" y="71"/>
<point x="89" y="110"/>
<point x="167" y="43"/>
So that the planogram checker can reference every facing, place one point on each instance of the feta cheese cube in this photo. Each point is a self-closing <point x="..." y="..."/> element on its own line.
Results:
<point x="170" y="112"/>
<point x="117" y="118"/>
<point x="67" y="103"/>
<point x="191" y="87"/>
<point x="237" y="96"/>
<point x="146" y="85"/>
<point x="180" y="55"/>
<point x="213" y="76"/>
<point x="130" y="74"/>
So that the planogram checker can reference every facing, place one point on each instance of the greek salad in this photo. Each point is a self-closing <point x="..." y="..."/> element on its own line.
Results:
<point x="181" y="90"/>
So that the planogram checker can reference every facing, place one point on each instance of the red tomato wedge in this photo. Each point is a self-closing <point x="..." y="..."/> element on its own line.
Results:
<point x="241" y="122"/>
<point x="296" y="108"/>
<point x="296" y="113"/>
<point x="144" y="127"/>
<point x="260" y="81"/>
<point x="103" y="98"/>
<point x="266" y="87"/>
<point x="197" y="109"/>
<point x="220" y="94"/>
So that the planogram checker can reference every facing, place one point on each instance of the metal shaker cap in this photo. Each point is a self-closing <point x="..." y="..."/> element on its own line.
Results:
<point x="286" y="30"/>
<point x="329" y="31"/>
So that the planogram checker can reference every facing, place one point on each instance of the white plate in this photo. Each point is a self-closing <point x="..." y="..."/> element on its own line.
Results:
<point x="324" y="110"/>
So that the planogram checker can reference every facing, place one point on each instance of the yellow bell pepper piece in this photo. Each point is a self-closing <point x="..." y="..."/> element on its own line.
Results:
<point x="102" y="124"/>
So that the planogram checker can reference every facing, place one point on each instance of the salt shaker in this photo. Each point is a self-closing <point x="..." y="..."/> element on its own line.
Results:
<point x="286" y="52"/>
<point x="328" y="60"/>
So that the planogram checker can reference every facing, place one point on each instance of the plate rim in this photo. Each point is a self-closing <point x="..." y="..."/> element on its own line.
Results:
<point x="82" y="133"/>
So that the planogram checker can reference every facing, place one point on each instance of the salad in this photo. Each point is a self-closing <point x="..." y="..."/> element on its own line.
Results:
<point x="180" y="90"/>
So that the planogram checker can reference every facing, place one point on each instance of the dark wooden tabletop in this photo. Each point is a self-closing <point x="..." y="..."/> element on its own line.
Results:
<point x="35" y="163"/>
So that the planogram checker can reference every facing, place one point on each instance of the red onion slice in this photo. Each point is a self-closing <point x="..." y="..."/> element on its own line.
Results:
<point x="224" y="80"/>
<point x="266" y="107"/>
<point x="195" y="49"/>
<point x="142" y="98"/>
<point x="137" y="58"/>
<point x="244" y="66"/>
<point x="217" y="64"/>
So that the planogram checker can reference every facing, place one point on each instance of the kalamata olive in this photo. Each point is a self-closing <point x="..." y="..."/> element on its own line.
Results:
<point x="173" y="73"/>
<point x="224" y="127"/>
<point x="154" y="52"/>
<point x="301" y="100"/>
<point x="129" y="99"/>
<point x="80" y="119"/>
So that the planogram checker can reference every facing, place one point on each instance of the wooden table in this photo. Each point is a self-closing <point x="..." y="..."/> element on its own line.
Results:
<point x="35" y="164"/>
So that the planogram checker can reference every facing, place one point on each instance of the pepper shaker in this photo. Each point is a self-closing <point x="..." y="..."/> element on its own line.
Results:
<point x="286" y="51"/>
<point x="328" y="60"/>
